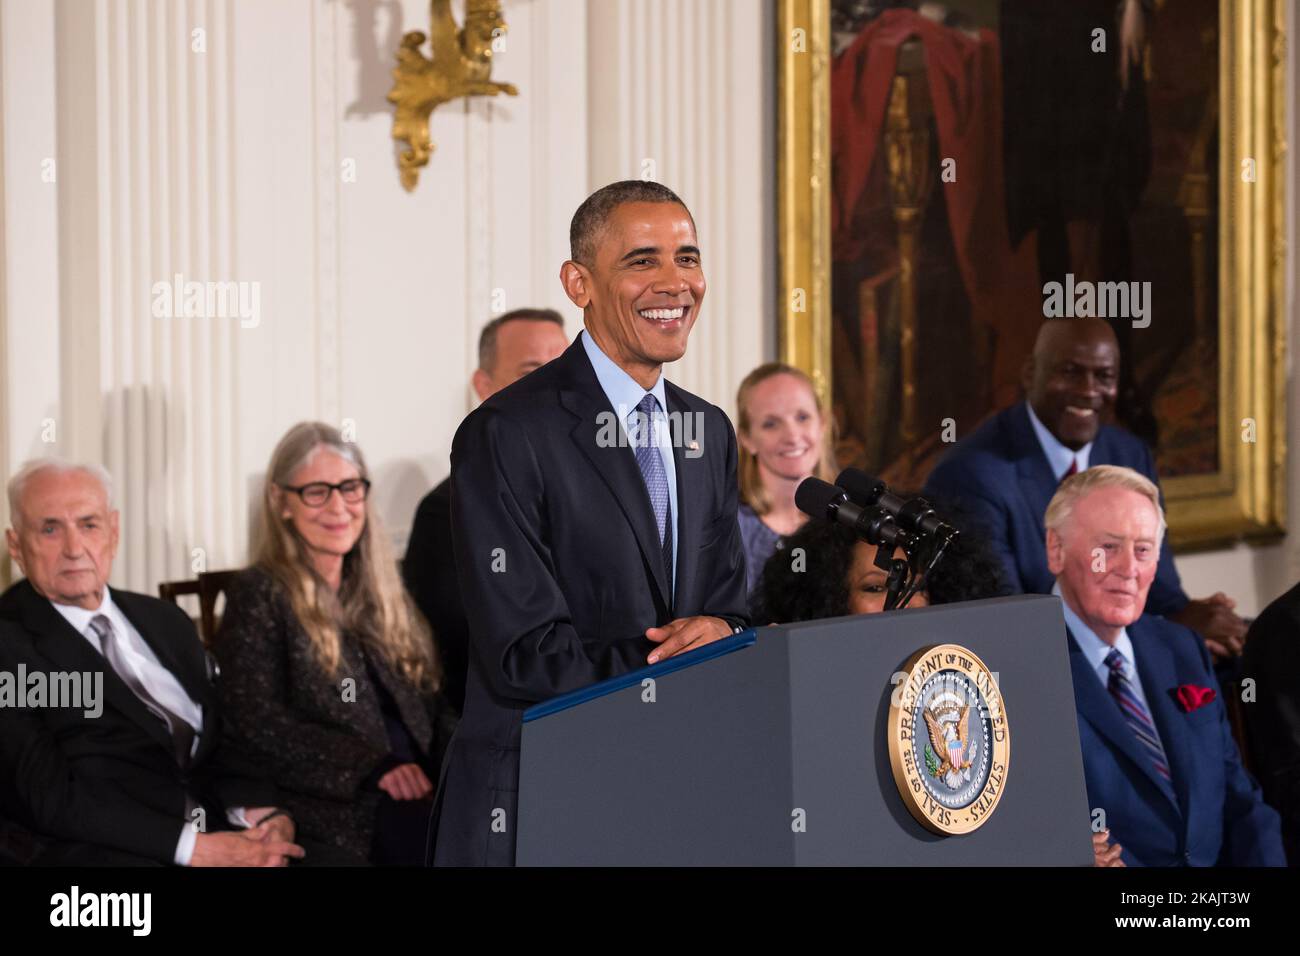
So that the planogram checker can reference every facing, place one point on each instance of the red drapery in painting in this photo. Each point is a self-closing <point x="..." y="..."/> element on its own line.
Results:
<point x="965" y="84"/>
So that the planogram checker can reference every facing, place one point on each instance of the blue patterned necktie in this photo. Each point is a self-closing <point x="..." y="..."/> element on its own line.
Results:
<point x="641" y="431"/>
<point x="1135" y="712"/>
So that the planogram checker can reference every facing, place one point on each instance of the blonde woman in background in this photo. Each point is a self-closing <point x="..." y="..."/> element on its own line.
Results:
<point x="328" y="673"/>
<point x="784" y="436"/>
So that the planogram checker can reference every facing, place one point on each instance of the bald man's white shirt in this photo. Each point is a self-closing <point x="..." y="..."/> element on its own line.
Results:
<point x="1058" y="456"/>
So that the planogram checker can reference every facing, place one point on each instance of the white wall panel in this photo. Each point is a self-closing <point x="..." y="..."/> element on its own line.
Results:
<point x="235" y="163"/>
<point x="681" y="91"/>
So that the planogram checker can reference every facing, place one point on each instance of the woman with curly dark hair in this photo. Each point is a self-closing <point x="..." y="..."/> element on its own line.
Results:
<point x="825" y="570"/>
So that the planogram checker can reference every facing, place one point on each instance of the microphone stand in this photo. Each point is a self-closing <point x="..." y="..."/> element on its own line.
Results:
<point x="922" y="544"/>
<point x="907" y="577"/>
<point x="898" y="580"/>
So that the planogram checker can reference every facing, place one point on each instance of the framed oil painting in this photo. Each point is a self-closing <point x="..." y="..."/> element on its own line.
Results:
<point x="952" y="174"/>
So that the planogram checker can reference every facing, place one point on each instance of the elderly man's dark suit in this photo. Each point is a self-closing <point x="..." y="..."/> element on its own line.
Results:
<point x="108" y="789"/>
<point x="561" y="567"/>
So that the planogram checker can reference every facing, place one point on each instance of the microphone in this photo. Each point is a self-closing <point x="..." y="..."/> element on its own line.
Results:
<point x="915" y="516"/>
<point x="819" y="499"/>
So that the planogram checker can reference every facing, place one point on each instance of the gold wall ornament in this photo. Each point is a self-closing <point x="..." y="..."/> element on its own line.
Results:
<point x="461" y="65"/>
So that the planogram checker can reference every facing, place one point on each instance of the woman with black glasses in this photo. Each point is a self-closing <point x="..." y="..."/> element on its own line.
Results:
<point x="328" y="673"/>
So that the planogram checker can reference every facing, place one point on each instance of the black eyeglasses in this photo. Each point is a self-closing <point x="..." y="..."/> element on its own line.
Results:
<point x="316" y="493"/>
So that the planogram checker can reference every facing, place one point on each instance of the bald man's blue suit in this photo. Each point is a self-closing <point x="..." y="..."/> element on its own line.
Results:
<point x="1000" y="478"/>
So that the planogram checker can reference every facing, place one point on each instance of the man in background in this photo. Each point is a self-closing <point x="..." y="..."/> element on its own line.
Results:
<point x="509" y="347"/>
<point x="1004" y="473"/>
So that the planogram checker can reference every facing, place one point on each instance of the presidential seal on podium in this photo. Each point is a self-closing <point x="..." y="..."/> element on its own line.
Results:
<point x="949" y="741"/>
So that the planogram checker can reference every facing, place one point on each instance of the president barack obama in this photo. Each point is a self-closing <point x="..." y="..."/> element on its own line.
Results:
<point x="581" y="558"/>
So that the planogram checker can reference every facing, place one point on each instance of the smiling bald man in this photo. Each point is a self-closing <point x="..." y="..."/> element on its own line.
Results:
<point x="1005" y="472"/>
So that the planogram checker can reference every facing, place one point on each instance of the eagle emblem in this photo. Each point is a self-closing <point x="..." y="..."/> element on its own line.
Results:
<point x="948" y="743"/>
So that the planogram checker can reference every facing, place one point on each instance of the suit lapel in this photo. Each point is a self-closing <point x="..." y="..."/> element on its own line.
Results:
<point x="166" y="647"/>
<point x="615" y="462"/>
<point x="414" y="717"/>
<point x="1099" y="709"/>
<point x="368" y="718"/>
<point x="692" y="498"/>
<point x="69" y="651"/>
<point x="1037" y="482"/>
<point x="1155" y="666"/>
<point x="1103" y="448"/>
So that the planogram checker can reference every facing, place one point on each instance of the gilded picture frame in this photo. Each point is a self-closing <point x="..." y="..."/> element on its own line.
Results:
<point x="1246" y="497"/>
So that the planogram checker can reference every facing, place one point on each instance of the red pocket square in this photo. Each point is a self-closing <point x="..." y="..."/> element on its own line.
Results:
<point x="1193" y="698"/>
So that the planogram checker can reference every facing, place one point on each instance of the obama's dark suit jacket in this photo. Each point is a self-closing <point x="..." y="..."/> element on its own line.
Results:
<point x="560" y="565"/>
<point x="108" y="789"/>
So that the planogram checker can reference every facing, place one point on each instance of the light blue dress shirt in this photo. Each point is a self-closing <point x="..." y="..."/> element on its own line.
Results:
<point x="1058" y="456"/>
<point x="1096" y="650"/>
<point x="625" y="394"/>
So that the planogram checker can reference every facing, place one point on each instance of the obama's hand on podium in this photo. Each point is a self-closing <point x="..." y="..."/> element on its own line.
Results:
<point x="685" y="634"/>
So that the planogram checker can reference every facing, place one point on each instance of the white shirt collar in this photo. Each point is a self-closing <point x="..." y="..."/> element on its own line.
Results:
<point x="1058" y="456"/>
<point x="1094" y="648"/>
<point x="80" y="618"/>
<point x="622" y="390"/>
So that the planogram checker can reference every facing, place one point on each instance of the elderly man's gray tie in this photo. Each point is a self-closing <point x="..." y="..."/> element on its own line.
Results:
<point x="641" y="431"/>
<point x="181" y="732"/>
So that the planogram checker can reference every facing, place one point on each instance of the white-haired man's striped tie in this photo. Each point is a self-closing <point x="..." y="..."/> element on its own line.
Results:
<point x="1135" y="712"/>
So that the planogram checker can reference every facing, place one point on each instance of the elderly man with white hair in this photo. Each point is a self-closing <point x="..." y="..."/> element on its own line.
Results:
<point x="1158" y="755"/>
<point x="142" y="777"/>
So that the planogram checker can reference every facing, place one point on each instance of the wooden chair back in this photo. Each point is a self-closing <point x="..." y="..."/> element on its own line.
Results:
<point x="208" y="586"/>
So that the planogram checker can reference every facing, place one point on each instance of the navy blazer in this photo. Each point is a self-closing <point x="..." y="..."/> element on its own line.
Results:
<point x="1211" y="812"/>
<point x="559" y="563"/>
<point x="1000" y="478"/>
